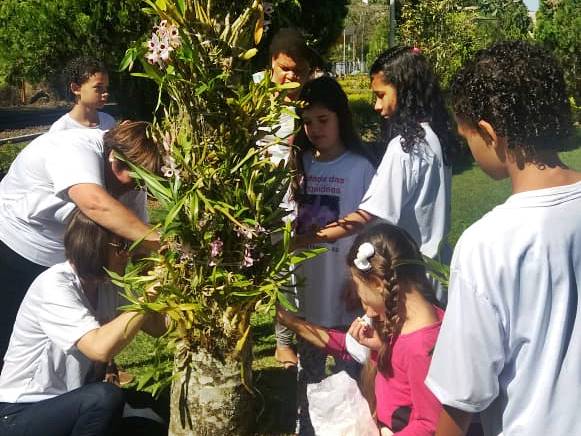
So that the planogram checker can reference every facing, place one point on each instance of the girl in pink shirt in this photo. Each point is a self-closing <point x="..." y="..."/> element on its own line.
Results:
<point x="390" y="279"/>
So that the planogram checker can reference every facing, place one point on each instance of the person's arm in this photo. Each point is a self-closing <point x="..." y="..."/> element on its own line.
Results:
<point x="95" y="202"/>
<point x="316" y="335"/>
<point x="105" y="342"/>
<point x="453" y="422"/>
<point x="425" y="406"/>
<point x="342" y="228"/>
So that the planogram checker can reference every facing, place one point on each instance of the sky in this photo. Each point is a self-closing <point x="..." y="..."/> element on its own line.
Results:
<point x="533" y="5"/>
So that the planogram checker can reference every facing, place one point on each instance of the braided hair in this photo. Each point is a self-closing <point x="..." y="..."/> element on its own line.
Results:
<point x="397" y="260"/>
<point x="419" y="99"/>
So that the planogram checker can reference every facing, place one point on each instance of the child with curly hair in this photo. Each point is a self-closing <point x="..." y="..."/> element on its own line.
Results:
<point x="88" y="84"/>
<point x="510" y="343"/>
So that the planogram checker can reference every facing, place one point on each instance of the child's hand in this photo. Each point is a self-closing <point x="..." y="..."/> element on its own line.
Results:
<point x="285" y="317"/>
<point x="365" y="334"/>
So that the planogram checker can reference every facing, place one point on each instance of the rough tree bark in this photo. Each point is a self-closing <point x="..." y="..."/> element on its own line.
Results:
<point x="209" y="399"/>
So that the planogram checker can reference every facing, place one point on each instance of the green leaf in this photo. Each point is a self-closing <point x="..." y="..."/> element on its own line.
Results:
<point x="128" y="59"/>
<point x="249" y="54"/>
<point x="302" y="255"/>
<point x="161" y="4"/>
<point x="181" y="7"/>
<point x="283" y="300"/>
<point x="175" y="211"/>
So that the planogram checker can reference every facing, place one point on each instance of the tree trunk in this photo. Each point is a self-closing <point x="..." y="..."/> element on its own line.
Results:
<point x="208" y="398"/>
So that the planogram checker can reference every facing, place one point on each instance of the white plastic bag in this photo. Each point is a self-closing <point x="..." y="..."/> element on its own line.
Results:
<point x="337" y="408"/>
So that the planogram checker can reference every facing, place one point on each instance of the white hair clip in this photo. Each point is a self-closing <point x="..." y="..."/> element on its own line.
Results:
<point x="365" y="251"/>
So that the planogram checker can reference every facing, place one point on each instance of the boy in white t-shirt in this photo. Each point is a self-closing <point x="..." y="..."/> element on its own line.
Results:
<point x="510" y="343"/>
<point x="88" y="83"/>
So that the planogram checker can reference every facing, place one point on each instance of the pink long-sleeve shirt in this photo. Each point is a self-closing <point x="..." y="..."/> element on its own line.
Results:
<point x="404" y="402"/>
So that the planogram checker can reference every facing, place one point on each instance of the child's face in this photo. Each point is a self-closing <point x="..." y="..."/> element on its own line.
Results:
<point x="370" y="295"/>
<point x="94" y="92"/>
<point x="489" y="156"/>
<point x="286" y="69"/>
<point x="322" y="128"/>
<point x="385" y="96"/>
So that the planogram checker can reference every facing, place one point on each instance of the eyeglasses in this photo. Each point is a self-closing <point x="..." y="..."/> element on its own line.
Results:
<point x="120" y="246"/>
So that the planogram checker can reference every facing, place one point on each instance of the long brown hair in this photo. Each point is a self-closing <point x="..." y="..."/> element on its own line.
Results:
<point x="87" y="246"/>
<point x="327" y="93"/>
<point x="398" y="264"/>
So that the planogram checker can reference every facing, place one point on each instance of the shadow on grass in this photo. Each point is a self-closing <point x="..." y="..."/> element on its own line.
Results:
<point x="462" y="163"/>
<point x="276" y="401"/>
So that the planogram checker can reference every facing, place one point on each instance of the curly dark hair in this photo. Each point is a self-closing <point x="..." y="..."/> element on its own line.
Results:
<point x="419" y="99"/>
<point x="397" y="259"/>
<point x="517" y="87"/>
<point x="326" y="92"/>
<point x="80" y="69"/>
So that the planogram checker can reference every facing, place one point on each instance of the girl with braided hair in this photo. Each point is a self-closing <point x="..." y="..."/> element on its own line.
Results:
<point x="412" y="185"/>
<point x="390" y="279"/>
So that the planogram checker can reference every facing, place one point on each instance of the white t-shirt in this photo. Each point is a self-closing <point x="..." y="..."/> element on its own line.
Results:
<point x="42" y="360"/>
<point x="334" y="189"/>
<point x="277" y="140"/>
<point x="412" y="190"/>
<point x="65" y="122"/>
<point x="510" y="342"/>
<point x="34" y="204"/>
<point x="279" y="151"/>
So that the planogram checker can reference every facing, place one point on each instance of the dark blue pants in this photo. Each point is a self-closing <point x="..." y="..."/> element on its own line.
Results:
<point x="92" y="410"/>
<point x="16" y="275"/>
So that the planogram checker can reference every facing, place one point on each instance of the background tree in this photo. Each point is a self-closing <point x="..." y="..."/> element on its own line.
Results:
<point x="321" y="22"/>
<point x="39" y="37"/>
<point x="558" y="28"/>
<point x="450" y="31"/>
<point x="504" y="19"/>
<point x="361" y="24"/>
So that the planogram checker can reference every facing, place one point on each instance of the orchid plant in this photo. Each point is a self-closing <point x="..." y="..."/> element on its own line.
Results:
<point x="225" y="250"/>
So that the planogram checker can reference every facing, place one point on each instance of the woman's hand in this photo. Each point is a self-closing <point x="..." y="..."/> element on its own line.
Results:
<point x="365" y="334"/>
<point x="112" y="374"/>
